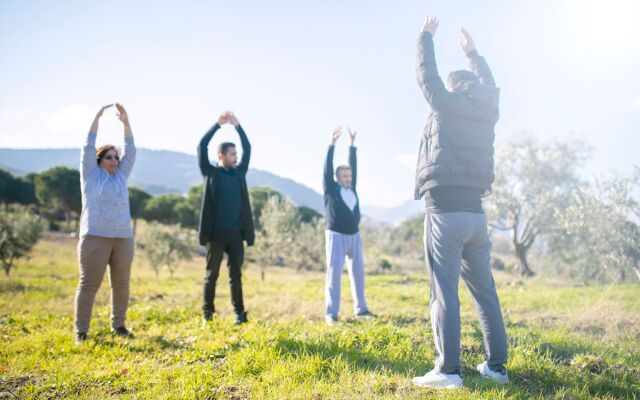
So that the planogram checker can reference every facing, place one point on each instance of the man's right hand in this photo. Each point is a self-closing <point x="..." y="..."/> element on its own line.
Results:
<point x="335" y="135"/>
<point x="466" y="42"/>
<point x="430" y="25"/>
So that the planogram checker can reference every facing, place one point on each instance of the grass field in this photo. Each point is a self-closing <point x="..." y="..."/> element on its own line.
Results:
<point x="565" y="342"/>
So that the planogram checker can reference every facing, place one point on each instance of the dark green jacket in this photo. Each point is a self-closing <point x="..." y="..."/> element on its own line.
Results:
<point x="457" y="143"/>
<point x="210" y="173"/>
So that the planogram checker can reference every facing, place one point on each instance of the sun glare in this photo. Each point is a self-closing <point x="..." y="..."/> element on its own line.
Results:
<point x="606" y="27"/>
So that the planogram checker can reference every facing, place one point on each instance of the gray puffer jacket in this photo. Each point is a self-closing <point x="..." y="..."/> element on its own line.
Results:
<point x="457" y="143"/>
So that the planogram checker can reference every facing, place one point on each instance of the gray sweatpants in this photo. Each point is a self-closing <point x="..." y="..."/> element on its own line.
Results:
<point x="458" y="244"/>
<point x="338" y="246"/>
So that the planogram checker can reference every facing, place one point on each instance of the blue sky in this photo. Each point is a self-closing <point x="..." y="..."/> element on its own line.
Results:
<point x="291" y="71"/>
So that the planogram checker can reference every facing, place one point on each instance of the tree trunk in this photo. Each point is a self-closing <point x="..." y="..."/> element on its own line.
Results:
<point x="523" y="265"/>
<point x="67" y="216"/>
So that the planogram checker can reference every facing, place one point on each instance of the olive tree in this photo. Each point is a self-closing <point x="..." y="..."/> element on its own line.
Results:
<point x="279" y="226"/>
<point x="600" y="231"/>
<point x="532" y="181"/>
<point x="309" y="252"/>
<point x="20" y="230"/>
<point x="285" y="239"/>
<point x="167" y="246"/>
<point x="259" y="196"/>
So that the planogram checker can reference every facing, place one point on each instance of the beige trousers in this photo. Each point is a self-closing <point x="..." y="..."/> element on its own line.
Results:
<point x="94" y="254"/>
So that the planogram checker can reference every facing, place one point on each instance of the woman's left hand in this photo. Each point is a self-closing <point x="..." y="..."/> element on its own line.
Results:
<point x="122" y="114"/>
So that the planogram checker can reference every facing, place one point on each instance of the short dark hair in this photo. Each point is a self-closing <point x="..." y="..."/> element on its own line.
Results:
<point x="103" y="150"/>
<point x="341" y="168"/>
<point x="455" y="77"/>
<point x="224" y="146"/>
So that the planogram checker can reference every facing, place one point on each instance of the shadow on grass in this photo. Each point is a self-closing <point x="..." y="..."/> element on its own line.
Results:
<point x="52" y="291"/>
<point x="525" y="383"/>
<point x="329" y="350"/>
<point x="403" y="281"/>
<point x="401" y="321"/>
<point x="533" y="383"/>
<point x="166" y="344"/>
<point x="140" y="345"/>
<point x="10" y="386"/>
<point x="12" y="287"/>
<point x="578" y="370"/>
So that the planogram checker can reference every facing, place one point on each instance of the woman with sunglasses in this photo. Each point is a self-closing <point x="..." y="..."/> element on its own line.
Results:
<point x="106" y="237"/>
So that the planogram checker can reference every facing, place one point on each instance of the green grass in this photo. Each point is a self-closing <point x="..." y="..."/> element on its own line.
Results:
<point x="565" y="342"/>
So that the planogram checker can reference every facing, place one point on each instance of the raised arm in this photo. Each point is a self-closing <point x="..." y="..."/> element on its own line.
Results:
<point x="88" y="152"/>
<point x="328" y="182"/>
<point x="243" y="166"/>
<point x="477" y="63"/>
<point x="429" y="80"/>
<point x="203" y="151"/>
<point x="129" y="157"/>
<point x="353" y="159"/>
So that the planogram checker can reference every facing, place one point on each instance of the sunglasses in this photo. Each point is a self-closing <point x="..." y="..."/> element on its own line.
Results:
<point x="110" y="157"/>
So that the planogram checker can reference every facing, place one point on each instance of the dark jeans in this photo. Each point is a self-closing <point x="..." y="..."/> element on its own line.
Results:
<point x="224" y="241"/>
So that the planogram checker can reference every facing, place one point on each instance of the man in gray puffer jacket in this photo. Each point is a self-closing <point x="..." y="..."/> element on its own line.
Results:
<point x="454" y="172"/>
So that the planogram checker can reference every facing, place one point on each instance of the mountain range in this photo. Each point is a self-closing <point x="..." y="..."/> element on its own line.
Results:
<point x="163" y="171"/>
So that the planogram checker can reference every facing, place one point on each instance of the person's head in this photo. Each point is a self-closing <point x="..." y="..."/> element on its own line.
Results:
<point x="108" y="158"/>
<point x="227" y="155"/>
<point x="456" y="77"/>
<point x="344" y="176"/>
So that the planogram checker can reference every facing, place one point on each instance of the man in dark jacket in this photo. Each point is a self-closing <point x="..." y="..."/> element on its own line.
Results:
<point x="225" y="216"/>
<point x="455" y="170"/>
<point x="342" y="215"/>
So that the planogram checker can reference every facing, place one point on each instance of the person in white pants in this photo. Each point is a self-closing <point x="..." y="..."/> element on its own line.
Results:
<point x="342" y="216"/>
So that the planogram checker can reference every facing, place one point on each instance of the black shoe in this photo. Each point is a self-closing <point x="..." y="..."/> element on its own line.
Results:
<point x="366" y="315"/>
<point x="241" y="318"/>
<point x="206" y="321"/>
<point x="81" y="337"/>
<point x="208" y="315"/>
<point x="123" y="332"/>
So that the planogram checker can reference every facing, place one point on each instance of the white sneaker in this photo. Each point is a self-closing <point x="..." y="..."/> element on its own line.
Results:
<point x="437" y="380"/>
<point x="486" y="372"/>
<point x="331" y="321"/>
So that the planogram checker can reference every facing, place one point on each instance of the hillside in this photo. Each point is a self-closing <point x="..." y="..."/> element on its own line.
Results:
<point x="156" y="171"/>
<point x="163" y="171"/>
